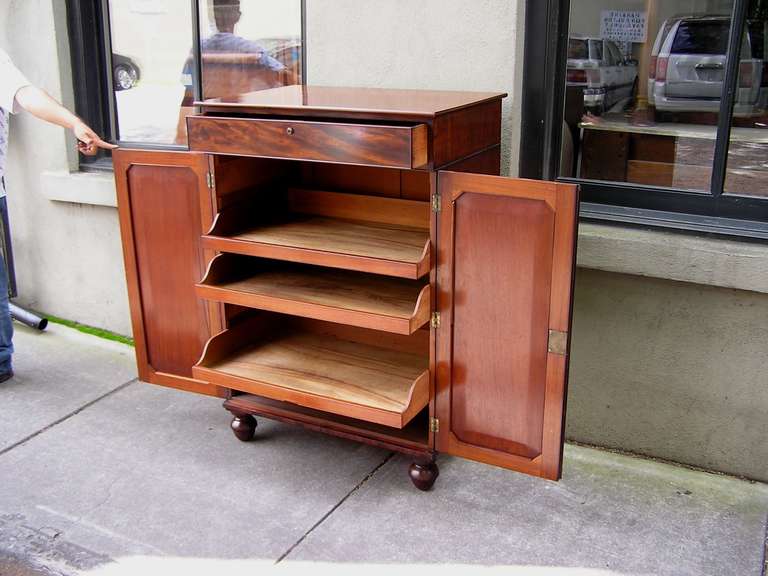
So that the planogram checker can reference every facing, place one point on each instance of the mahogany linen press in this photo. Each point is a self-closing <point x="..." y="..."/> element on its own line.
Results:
<point x="350" y="260"/>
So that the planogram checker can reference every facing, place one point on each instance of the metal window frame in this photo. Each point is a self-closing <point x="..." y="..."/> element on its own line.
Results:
<point x="545" y="56"/>
<point x="85" y="24"/>
<point x="91" y="59"/>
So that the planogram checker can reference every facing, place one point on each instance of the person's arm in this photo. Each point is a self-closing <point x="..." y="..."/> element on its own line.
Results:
<point x="40" y="104"/>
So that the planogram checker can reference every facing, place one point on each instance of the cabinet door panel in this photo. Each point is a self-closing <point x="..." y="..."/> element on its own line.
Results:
<point x="165" y="205"/>
<point x="505" y="264"/>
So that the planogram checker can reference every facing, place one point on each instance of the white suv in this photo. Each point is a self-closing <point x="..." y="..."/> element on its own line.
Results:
<point x="688" y="66"/>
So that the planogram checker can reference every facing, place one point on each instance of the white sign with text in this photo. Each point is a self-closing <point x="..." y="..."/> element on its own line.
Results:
<point x="624" y="25"/>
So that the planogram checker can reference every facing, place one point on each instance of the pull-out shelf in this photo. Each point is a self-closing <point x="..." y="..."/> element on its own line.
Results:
<point x="353" y="298"/>
<point x="357" y="379"/>
<point x="334" y="230"/>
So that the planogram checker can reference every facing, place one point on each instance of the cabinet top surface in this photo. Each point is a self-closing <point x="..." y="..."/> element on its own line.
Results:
<point x="325" y="100"/>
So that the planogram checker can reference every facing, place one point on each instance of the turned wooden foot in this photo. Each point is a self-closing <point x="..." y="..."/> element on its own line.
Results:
<point x="423" y="475"/>
<point x="244" y="427"/>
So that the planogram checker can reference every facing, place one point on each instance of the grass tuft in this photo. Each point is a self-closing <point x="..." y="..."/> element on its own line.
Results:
<point x="93" y="331"/>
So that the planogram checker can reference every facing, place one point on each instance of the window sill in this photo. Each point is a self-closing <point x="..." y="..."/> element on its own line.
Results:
<point x="95" y="188"/>
<point x="675" y="256"/>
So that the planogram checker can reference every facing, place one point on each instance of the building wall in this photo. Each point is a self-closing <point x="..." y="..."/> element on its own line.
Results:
<point x="68" y="256"/>
<point x="673" y="369"/>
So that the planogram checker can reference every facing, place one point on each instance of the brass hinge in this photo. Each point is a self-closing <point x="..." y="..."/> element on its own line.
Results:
<point x="434" y="425"/>
<point x="558" y="342"/>
<point x="210" y="180"/>
<point x="435" y="320"/>
<point x="436" y="203"/>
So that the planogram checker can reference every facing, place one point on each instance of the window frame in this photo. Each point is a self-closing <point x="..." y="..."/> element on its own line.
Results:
<point x="546" y="41"/>
<point x="91" y="59"/>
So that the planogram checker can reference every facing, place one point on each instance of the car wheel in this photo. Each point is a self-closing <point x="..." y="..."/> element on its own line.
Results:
<point x="125" y="77"/>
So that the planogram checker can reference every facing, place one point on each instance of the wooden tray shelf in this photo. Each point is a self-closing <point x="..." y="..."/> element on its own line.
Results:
<point x="334" y="230"/>
<point x="315" y="370"/>
<point x="364" y="300"/>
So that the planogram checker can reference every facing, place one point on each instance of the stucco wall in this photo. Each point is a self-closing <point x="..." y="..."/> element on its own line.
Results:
<point x="68" y="256"/>
<point x="671" y="369"/>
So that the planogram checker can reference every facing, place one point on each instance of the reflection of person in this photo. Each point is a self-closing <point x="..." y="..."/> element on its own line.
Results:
<point x="231" y="64"/>
<point x="226" y="15"/>
<point x="16" y="93"/>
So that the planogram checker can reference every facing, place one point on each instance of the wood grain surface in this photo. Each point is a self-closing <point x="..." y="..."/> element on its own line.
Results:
<point x="343" y="377"/>
<point x="362" y="246"/>
<point x="365" y="300"/>
<point x="366" y="144"/>
<point x="396" y="211"/>
<point x="346" y="102"/>
<point x="164" y="205"/>
<point x="506" y="249"/>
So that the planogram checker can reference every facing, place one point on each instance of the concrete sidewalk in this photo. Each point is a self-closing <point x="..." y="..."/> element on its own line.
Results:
<point x="100" y="474"/>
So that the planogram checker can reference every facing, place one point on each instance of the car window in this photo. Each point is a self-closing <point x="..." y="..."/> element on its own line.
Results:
<point x="578" y="49"/>
<point x="596" y="47"/>
<point x="614" y="53"/>
<point x="757" y="39"/>
<point x="662" y="36"/>
<point x="701" y="37"/>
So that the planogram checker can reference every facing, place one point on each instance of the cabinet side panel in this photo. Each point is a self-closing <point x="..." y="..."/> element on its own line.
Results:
<point x="466" y="132"/>
<point x="502" y="274"/>
<point x="165" y="213"/>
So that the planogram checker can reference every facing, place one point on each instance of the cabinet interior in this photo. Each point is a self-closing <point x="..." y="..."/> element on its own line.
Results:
<point x="324" y="273"/>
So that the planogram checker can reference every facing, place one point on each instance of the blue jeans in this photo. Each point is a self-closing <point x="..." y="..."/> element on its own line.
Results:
<point x="6" y="324"/>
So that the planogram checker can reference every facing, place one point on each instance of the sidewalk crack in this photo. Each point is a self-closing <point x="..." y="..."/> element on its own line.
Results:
<point x="66" y="417"/>
<point x="335" y="507"/>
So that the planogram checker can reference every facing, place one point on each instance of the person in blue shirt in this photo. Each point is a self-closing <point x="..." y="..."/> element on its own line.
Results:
<point x="227" y="14"/>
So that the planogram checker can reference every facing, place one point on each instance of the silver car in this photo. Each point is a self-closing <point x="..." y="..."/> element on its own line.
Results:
<point x="597" y="69"/>
<point x="688" y="66"/>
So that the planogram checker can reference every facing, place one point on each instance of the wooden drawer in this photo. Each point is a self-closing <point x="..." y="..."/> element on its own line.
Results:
<point x="367" y="144"/>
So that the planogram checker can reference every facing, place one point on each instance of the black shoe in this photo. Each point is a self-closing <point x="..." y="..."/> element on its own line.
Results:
<point x="6" y="376"/>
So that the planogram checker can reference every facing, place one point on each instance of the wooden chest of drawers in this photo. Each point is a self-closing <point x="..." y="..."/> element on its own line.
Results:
<point x="349" y="260"/>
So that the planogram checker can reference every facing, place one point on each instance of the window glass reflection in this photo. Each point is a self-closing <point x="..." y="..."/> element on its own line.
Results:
<point x="245" y="46"/>
<point x="249" y="45"/>
<point x="150" y="43"/>
<point x="747" y="168"/>
<point x="643" y="87"/>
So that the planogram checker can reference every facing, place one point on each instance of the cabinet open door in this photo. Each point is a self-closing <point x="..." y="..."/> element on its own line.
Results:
<point x="165" y="205"/>
<point x="505" y="262"/>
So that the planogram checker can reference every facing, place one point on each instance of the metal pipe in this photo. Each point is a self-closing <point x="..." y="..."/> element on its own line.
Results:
<point x="26" y="317"/>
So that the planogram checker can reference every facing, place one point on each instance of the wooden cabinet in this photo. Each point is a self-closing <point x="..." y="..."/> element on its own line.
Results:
<point x="350" y="261"/>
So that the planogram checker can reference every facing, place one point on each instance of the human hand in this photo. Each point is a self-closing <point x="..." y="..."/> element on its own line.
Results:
<point x="88" y="141"/>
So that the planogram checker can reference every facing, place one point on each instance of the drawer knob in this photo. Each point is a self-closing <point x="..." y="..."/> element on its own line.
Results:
<point x="289" y="131"/>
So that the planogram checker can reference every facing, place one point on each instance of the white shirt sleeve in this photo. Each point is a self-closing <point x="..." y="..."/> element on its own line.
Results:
<point x="11" y="81"/>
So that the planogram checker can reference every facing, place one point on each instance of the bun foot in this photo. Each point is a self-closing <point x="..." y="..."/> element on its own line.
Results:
<point x="244" y="427"/>
<point x="423" y="476"/>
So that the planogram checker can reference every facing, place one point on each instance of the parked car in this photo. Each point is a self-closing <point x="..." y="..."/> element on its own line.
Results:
<point x="125" y="72"/>
<point x="598" y="72"/>
<point x="688" y="66"/>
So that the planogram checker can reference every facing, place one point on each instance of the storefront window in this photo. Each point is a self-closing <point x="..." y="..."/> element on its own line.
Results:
<point x="151" y="40"/>
<point x="643" y="89"/>
<point x="245" y="45"/>
<point x="747" y="168"/>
